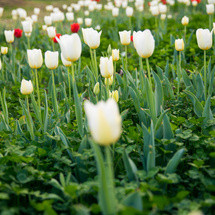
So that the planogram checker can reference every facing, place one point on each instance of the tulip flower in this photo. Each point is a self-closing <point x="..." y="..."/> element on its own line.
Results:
<point x="144" y="44"/>
<point x="115" y="54"/>
<point x="80" y="20"/>
<point x="109" y="81"/>
<point x="70" y="16"/>
<point x="104" y="121"/>
<point x="1" y="11"/>
<point x="125" y="39"/>
<point x="185" y="21"/>
<point x="115" y="12"/>
<point x="36" y="11"/>
<point x="65" y="62"/>
<point x="27" y="26"/>
<point x="48" y="20"/>
<point x="88" y="22"/>
<point x="91" y="37"/>
<point x="26" y="87"/>
<point x="115" y="95"/>
<point x="210" y="12"/>
<point x="179" y="46"/>
<point x="51" y="32"/>
<point x="75" y="27"/>
<point x="204" y="40"/>
<point x="4" y="50"/>
<point x="35" y="61"/>
<point x="51" y="59"/>
<point x="9" y="36"/>
<point x="70" y="46"/>
<point x="129" y="11"/>
<point x="17" y="33"/>
<point x="107" y="70"/>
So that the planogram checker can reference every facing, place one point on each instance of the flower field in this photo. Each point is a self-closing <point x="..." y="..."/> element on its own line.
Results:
<point x="107" y="107"/>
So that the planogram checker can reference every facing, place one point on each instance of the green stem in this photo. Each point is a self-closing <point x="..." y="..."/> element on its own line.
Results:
<point x="2" y="70"/>
<point x="53" y="49"/>
<point x="70" y="96"/>
<point x="149" y="73"/>
<point x="38" y="90"/>
<point x="27" y="102"/>
<point x="114" y="74"/>
<point x="179" y="73"/>
<point x="96" y="68"/>
<point x="205" y="75"/>
<point x="126" y="58"/>
<point x="107" y="88"/>
<point x="28" y="41"/>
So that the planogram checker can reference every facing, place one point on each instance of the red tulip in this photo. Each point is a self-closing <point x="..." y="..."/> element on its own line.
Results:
<point x="131" y="38"/>
<point x="75" y="27"/>
<point x="18" y="33"/>
<point x="58" y="36"/>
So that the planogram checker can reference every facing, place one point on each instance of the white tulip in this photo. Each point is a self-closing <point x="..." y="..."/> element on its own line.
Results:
<point x="4" y="50"/>
<point x="204" y="38"/>
<point x="154" y="10"/>
<point x="48" y="20"/>
<point x="88" y="22"/>
<point x="26" y="87"/>
<point x="49" y="8"/>
<point x="129" y="11"/>
<point x="51" y="59"/>
<point x="1" y="11"/>
<point x="185" y="21"/>
<point x="179" y="44"/>
<point x="115" y="12"/>
<point x="70" y="46"/>
<point x="36" y="11"/>
<point x="35" y="58"/>
<point x="91" y="37"/>
<point x="162" y="8"/>
<point x="70" y="16"/>
<point x="80" y="20"/>
<point x="9" y="36"/>
<point x="106" y="67"/>
<point x="34" y="18"/>
<point x="27" y="26"/>
<point x="51" y="32"/>
<point x="144" y="43"/>
<point x="125" y="37"/>
<point x="210" y="9"/>
<point x="115" y="54"/>
<point x="104" y="121"/>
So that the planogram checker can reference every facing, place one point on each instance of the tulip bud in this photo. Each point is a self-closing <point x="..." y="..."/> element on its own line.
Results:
<point x="104" y="121"/>
<point x="115" y="95"/>
<point x="26" y="87"/>
<point x="51" y="59"/>
<point x="91" y="37"/>
<point x="125" y="37"/>
<point x="115" y="54"/>
<point x="179" y="44"/>
<point x="210" y="9"/>
<point x="51" y="32"/>
<point x="144" y="43"/>
<point x="9" y="36"/>
<point x="65" y="62"/>
<point x="204" y="38"/>
<point x="35" y="58"/>
<point x="109" y="81"/>
<point x="185" y="21"/>
<point x="44" y="27"/>
<point x="4" y="50"/>
<point x="70" y="46"/>
<point x="106" y="67"/>
<point x="96" y="89"/>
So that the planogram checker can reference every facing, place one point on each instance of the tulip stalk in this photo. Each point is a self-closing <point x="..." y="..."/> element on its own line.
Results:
<point x="126" y="58"/>
<point x="2" y="70"/>
<point x="205" y="75"/>
<point x="69" y="84"/>
<point x="95" y="61"/>
<point x="179" y="73"/>
<point x="28" y="42"/>
<point x="53" y="48"/>
<point x="107" y="199"/>
<point x="38" y="90"/>
<point x="149" y="73"/>
<point x="107" y="87"/>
